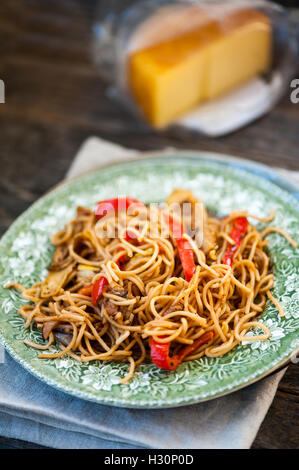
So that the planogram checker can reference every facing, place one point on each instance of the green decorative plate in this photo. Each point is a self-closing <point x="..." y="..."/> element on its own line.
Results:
<point x="25" y="253"/>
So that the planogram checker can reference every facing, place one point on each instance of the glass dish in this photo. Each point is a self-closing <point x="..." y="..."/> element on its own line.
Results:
<point x="122" y="30"/>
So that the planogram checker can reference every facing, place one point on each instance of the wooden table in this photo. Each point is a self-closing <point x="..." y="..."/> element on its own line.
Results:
<point x="55" y="100"/>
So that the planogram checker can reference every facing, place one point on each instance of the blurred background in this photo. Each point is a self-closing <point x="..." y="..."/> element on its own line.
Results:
<point x="55" y="99"/>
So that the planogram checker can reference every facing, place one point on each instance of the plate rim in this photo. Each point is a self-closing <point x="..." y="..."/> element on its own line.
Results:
<point x="203" y="155"/>
<point x="246" y="165"/>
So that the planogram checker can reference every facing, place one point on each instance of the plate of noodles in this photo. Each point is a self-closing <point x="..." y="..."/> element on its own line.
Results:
<point x="157" y="282"/>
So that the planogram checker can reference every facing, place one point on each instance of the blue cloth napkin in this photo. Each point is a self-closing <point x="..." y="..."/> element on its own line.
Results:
<point x="32" y="411"/>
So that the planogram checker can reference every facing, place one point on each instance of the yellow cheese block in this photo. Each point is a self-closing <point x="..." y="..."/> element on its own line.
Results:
<point x="243" y="51"/>
<point x="170" y="78"/>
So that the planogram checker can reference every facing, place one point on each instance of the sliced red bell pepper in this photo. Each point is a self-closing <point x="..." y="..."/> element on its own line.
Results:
<point x="99" y="285"/>
<point x="184" y="248"/>
<point x="237" y="233"/>
<point x="160" y="351"/>
<point x="115" y="204"/>
<point x="98" y="288"/>
<point x="102" y="208"/>
<point x="160" y="355"/>
<point x="121" y="260"/>
<point x="130" y="236"/>
<point x="86" y="290"/>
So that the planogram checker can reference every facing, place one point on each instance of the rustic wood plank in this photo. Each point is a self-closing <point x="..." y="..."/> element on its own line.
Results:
<point x="280" y="429"/>
<point x="17" y="444"/>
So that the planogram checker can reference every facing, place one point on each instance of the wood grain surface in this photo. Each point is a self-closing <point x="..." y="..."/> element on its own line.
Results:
<point x="55" y="99"/>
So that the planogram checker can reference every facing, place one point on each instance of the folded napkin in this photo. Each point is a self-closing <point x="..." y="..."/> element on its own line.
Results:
<point x="33" y="411"/>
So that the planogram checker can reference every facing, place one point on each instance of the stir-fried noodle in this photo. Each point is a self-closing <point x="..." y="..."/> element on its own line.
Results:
<point x="148" y="290"/>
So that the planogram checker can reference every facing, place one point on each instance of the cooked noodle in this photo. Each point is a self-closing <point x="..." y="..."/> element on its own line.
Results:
<point x="148" y="295"/>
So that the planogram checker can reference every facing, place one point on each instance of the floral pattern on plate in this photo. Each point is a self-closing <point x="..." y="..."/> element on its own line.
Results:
<point x="25" y="254"/>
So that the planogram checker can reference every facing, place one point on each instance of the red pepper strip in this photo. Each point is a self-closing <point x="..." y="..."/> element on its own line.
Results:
<point x="95" y="290"/>
<point x="130" y="236"/>
<point x="116" y="204"/>
<point x="103" y="207"/>
<point x="98" y="288"/>
<point x="192" y="348"/>
<point x="160" y="351"/>
<point x="120" y="261"/>
<point x="160" y="355"/>
<point x="99" y="285"/>
<point x="237" y="233"/>
<point x="86" y="290"/>
<point x="187" y="258"/>
<point x="184" y="248"/>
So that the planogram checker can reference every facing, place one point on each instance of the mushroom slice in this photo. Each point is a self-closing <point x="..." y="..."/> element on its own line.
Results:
<point x="61" y="258"/>
<point x="111" y="308"/>
<point x="54" y="282"/>
<point x="120" y="291"/>
<point x="81" y="242"/>
<point x="63" y="338"/>
<point x="48" y="326"/>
